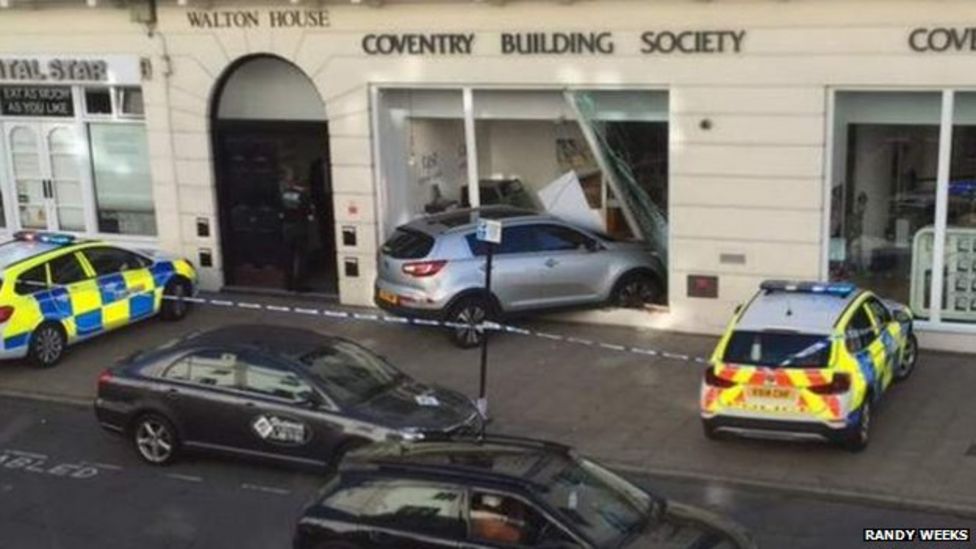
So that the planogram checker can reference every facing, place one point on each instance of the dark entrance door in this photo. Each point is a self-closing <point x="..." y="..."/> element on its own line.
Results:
<point x="275" y="205"/>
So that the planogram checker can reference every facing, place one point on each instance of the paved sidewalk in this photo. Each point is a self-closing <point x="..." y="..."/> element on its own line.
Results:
<point x="631" y="410"/>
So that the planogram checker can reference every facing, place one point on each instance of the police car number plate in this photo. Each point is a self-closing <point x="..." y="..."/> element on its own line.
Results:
<point x="389" y="297"/>
<point x="770" y="393"/>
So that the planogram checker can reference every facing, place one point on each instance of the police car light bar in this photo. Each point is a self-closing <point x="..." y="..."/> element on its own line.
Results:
<point x="842" y="289"/>
<point x="45" y="237"/>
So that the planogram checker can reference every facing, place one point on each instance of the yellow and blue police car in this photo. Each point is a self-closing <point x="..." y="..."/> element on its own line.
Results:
<point x="57" y="290"/>
<point x="807" y="360"/>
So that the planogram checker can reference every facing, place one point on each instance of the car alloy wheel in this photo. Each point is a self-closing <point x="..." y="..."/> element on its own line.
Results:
<point x="155" y="440"/>
<point x="471" y="315"/>
<point x="635" y="291"/>
<point x="175" y="305"/>
<point x="47" y="345"/>
<point x="860" y="434"/>
<point x="908" y="358"/>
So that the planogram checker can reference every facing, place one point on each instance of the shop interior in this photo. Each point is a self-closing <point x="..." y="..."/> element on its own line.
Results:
<point x="595" y="158"/>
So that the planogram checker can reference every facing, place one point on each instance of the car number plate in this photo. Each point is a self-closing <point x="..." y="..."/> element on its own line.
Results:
<point x="389" y="297"/>
<point x="770" y="393"/>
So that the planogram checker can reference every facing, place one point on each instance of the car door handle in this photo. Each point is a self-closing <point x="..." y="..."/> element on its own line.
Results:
<point x="172" y="394"/>
<point x="551" y="263"/>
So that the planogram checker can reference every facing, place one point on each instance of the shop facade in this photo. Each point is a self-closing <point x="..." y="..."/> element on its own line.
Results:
<point x="278" y="146"/>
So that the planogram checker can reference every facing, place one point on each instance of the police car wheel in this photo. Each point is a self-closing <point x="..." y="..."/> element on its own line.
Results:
<point x="47" y="345"/>
<point x="859" y="434"/>
<point x="909" y="357"/>
<point x="155" y="439"/>
<point x="634" y="290"/>
<point x="174" y="306"/>
<point x="469" y="312"/>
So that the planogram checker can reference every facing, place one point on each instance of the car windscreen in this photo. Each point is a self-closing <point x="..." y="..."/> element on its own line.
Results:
<point x="407" y="244"/>
<point x="605" y="507"/>
<point x="775" y="349"/>
<point x="16" y="250"/>
<point x="351" y="374"/>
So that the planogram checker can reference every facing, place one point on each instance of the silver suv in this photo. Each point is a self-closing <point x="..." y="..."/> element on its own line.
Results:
<point x="434" y="268"/>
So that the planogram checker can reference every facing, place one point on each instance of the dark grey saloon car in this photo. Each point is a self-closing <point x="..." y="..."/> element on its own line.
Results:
<point x="271" y="392"/>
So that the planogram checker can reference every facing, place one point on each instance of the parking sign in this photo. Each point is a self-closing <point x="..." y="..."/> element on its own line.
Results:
<point x="489" y="230"/>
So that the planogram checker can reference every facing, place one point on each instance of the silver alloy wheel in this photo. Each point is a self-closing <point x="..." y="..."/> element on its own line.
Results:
<point x="154" y="441"/>
<point x="471" y="315"/>
<point x="865" y="426"/>
<point x="908" y="357"/>
<point x="177" y="297"/>
<point x="49" y="344"/>
<point x="636" y="293"/>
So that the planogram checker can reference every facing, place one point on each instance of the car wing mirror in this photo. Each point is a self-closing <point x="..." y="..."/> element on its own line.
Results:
<point x="310" y="399"/>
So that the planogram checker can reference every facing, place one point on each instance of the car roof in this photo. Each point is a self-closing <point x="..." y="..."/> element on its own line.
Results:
<point x="457" y="220"/>
<point x="803" y="312"/>
<point x="492" y="459"/>
<point x="281" y="340"/>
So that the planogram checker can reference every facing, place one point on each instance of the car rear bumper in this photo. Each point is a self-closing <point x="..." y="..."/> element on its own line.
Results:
<point x="408" y="301"/>
<point x="775" y="428"/>
<point x="110" y="417"/>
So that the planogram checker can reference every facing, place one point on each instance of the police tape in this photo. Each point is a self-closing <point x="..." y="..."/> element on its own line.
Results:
<point x="489" y="326"/>
<point x="486" y="326"/>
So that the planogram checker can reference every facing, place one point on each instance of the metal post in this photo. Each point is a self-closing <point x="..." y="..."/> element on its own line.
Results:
<point x="482" y="392"/>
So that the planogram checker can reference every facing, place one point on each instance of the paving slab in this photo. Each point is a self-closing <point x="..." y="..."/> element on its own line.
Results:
<point x="633" y="410"/>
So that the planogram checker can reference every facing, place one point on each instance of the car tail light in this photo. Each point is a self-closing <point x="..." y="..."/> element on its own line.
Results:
<point x="104" y="377"/>
<point x="713" y="380"/>
<point x="424" y="268"/>
<point x="6" y="312"/>
<point x="840" y="383"/>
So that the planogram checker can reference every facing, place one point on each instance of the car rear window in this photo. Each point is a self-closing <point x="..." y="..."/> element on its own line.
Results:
<point x="406" y="244"/>
<point x="778" y="349"/>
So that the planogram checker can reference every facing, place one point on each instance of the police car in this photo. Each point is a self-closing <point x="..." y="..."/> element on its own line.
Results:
<point x="57" y="290"/>
<point x="807" y="360"/>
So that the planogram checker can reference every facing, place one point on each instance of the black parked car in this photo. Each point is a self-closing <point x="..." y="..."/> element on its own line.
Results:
<point x="268" y="391"/>
<point x="496" y="492"/>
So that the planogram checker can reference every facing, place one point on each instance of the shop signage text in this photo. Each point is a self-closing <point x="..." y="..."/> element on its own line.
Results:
<point x="245" y="19"/>
<point x="555" y="43"/>
<point x="941" y="39"/>
<point x="693" y="41"/>
<point x="36" y="101"/>
<point x="54" y="69"/>
<point x="418" y="44"/>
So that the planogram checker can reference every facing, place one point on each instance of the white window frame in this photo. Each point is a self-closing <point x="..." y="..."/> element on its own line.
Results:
<point x="946" y="117"/>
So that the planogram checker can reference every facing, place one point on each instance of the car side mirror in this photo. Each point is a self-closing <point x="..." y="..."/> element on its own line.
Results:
<point x="592" y="246"/>
<point x="310" y="399"/>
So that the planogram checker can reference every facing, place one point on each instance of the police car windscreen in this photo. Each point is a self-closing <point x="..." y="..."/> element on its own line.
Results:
<point x="17" y="250"/>
<point x="778" y="349"/>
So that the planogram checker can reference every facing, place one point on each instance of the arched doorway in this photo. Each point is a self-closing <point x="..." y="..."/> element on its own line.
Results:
<point x="274" y="192"/>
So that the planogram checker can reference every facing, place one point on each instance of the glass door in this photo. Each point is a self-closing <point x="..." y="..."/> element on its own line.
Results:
<point x="28" y="174"/>
<point x="66" y="185"/>
<point x="47" y="163"/>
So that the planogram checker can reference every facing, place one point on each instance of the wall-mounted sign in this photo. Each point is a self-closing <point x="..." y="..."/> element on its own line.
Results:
<point x="57" y="70"/>
<point x="556" y="43"/>
<point x="36" y="101"/>
<point x="942" y="39"/>
<point x="709" y="41"/>
<point x="418" y="44"/>
<point x="703" y="286"/>
<point x="246" y="19"/>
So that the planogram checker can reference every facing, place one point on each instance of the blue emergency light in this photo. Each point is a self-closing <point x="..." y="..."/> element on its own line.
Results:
<point x="841" y="289"/>
<point x="45" y="237"/>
